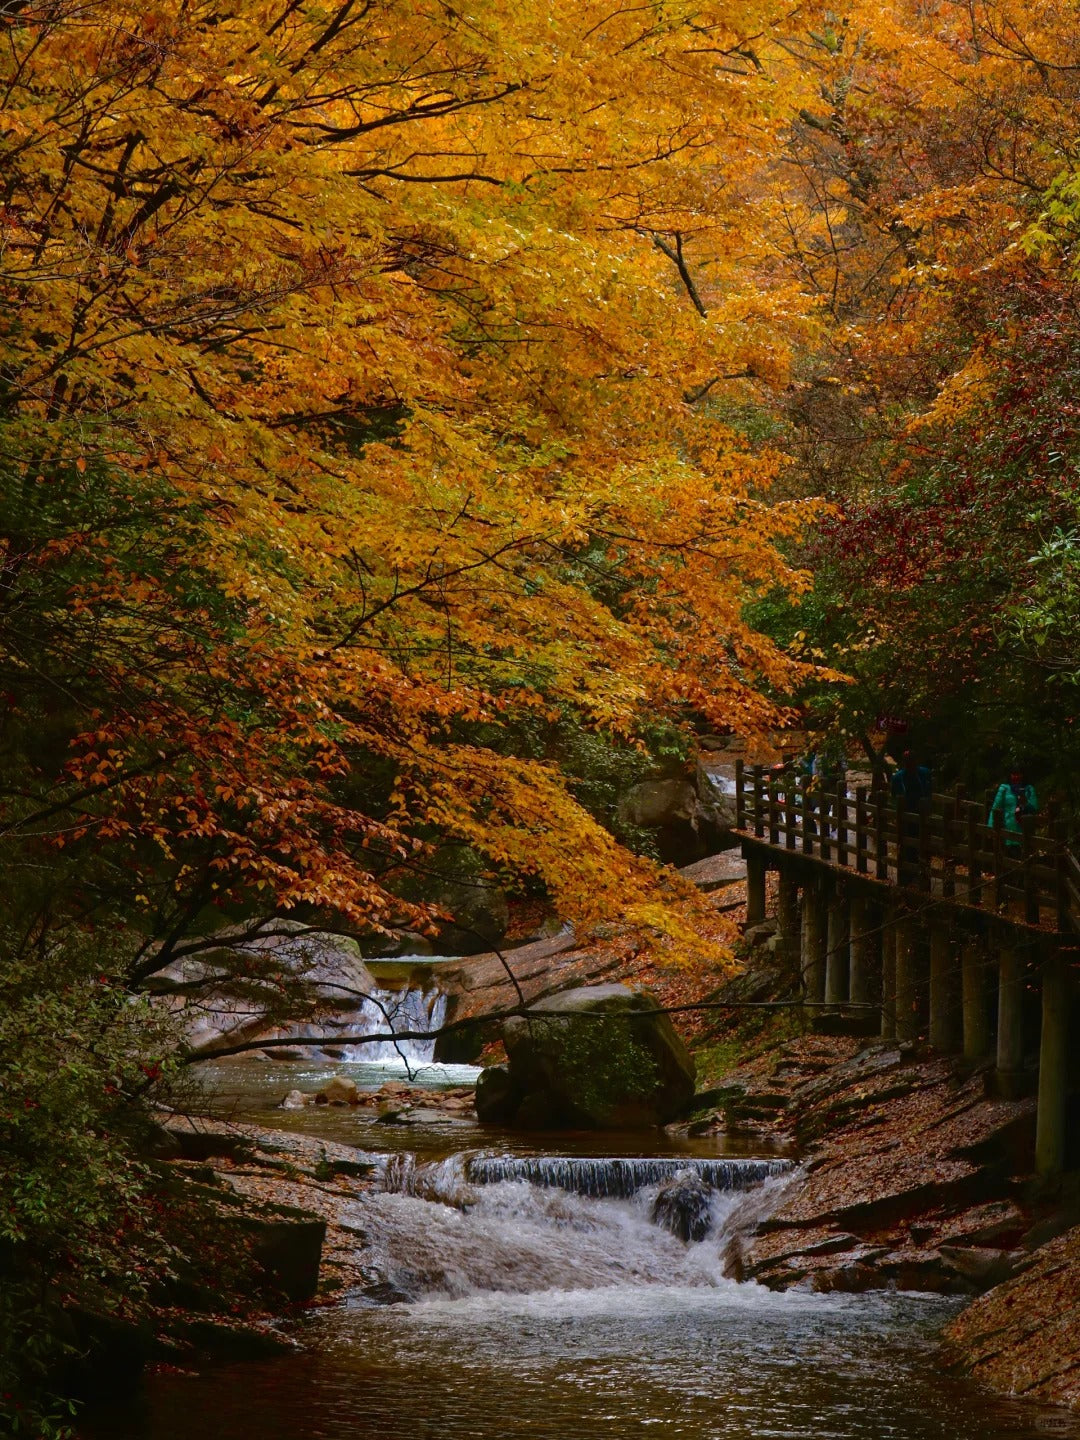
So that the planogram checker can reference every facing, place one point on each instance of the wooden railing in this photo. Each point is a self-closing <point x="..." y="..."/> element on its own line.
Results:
<point x="943" y="846"/>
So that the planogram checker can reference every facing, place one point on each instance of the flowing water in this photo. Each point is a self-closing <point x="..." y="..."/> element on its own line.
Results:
<point x="513" y="1293"/>
<point x="522" y="1309"/>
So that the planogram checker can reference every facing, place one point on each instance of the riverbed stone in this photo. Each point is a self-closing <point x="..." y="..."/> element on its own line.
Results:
<point x="339" y="1090"/>
<point x="604" y="1056"/>
<point x="683" y="1206"/>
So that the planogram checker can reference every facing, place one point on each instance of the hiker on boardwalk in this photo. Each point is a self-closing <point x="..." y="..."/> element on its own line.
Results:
<point x="1014" y="800"/>
<point x="911" y="782"/>
<point x="912" y="785"/>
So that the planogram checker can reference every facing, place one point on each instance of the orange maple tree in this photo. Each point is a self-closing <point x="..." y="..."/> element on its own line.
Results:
<point x="358" y="388"/>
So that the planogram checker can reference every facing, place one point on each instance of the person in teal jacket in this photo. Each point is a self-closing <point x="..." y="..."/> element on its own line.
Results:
<point x="1014" y="800"/>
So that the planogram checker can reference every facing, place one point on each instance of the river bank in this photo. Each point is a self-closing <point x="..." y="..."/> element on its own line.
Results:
<point x="470" y="1289"/>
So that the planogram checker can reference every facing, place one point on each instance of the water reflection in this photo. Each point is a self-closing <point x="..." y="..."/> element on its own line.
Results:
<point x="724" y="1363"/>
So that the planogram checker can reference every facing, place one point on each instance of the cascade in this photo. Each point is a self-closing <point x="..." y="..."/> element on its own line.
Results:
<point x="618" y="1178"/>
<point x="474" y="1223"/>
<point x="404" y="1009"/>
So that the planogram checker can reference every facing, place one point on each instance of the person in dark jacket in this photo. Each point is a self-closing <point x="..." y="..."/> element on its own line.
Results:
<point x="912" y="781"/>
<point x="912" y="784"/>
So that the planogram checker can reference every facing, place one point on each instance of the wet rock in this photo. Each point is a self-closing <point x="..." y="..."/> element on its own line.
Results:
<point x="981" y="1266"/>
<point x="226" y="1340"/>
<point x="228" y="993"/>
<point x="497" y="1097"/>
<point x="1020" y="1337"/>
<point x="604" y="1056"/>
<point x="683" y="1206"/>
<point x="716" y="872"/>
<point x="203" y="1145"/>
<point x="288" y="1248"/>
<point x="296" y="1100"/>
<point x="756" y="935"/>
<point x="384" y="1292"/>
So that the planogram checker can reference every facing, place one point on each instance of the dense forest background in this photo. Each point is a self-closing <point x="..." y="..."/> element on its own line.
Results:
<point x="415" y="420"/>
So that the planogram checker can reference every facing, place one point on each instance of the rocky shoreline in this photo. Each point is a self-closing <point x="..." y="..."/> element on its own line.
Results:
<point x="913" y="1176"/>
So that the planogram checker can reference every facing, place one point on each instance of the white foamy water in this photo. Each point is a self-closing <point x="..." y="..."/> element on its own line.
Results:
<point x="436" y="1232"/>
<point x="538" y="1313"/>
<point x="405" y="1010"/>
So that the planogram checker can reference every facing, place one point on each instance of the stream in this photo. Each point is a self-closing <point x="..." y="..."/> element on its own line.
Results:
<point x="520" y="1288"/>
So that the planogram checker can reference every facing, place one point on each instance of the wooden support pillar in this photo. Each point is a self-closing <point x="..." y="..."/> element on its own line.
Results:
<point x="907" y="982"/>
<point x="944" y="1000"/>
<point x="1010" y="1036"/>
<point x="787" y="917"/>
<point x="1053" y="1068"/>
<point x="976" y="1019"/>
<point x="863" y="948"/>
<point x="888" y="976"/>
<point x="756" y="870"/>
<point x="836" y="958"/>
<point x="813" y="942"/>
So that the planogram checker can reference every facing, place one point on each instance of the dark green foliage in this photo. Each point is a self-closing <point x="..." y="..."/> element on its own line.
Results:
<point x="77" y="1229"/>
<point x="598" y="1057"/>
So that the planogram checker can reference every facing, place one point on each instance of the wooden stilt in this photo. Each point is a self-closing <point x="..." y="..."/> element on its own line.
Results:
<point x="1010" y="1036"/>
<point x="1053" y="1068"/>
<point x="976" y="1018"/>
<point x="907" y="989"/>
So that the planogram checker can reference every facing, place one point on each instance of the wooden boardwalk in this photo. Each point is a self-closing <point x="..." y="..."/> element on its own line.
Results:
<point x="944" y="848"/>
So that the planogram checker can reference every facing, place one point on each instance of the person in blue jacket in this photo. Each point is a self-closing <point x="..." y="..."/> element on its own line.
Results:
<point x="1014" y="800"/>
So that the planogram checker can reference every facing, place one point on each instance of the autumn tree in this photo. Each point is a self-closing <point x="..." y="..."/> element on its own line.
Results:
<point x="925" y="198"/>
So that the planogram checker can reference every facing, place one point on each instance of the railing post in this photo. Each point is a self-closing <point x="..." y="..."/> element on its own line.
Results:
<point x="999" y="860"/>
<point x="841" y="820"/>
<point x="774" y="812"/>
<point x="881" y="838"/>
<point x="976" y="1018"/>
<point x="808" y="823"/>
<point x="1010" y="1037"/>
<point x="948" y="857"/>
<point x="974" y="866"/>
<point x="759" y="803"/>
<point x="1031" y="880"/>
<point x="925" y="845"/>
<point x="861" y="827"/>
<point x="789" y="813"/>
<point x="902" y="863"/>
<point x="1053" y="1067"/>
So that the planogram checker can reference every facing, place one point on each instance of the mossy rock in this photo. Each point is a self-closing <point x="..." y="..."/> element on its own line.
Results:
<point x="601" y="1057"/>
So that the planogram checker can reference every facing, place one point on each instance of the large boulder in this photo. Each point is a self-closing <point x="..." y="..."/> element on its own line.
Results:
<point x="230" y="990"/>
<point x="599" y="1057"/>
<point x="670" y="808"/>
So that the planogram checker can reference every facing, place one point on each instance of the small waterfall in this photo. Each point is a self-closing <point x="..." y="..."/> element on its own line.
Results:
<point x="618" y="1179"/>
<point x="407" y="1009"/>
<point x="475" y="1224"/>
